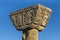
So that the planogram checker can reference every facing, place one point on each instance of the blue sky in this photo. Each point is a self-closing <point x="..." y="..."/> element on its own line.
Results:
<point x="7" y="29"/>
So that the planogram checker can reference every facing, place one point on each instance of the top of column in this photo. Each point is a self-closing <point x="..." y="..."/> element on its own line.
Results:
<point x="33" y="17"/>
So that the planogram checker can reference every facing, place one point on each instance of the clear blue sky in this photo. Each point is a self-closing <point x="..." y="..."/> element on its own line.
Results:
<point x="7" y="29"/>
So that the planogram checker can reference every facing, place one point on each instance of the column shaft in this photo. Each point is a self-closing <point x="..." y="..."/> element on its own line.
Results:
<point x="30" y="34"/>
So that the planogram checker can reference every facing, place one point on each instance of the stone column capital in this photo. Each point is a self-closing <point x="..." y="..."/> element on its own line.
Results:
<point x="34" y="17"/>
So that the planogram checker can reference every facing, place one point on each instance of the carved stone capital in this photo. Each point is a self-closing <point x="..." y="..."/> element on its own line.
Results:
<point x="34" y="17"/>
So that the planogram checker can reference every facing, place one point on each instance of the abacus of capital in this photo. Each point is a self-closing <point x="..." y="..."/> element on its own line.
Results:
<point x="31" y="20"/>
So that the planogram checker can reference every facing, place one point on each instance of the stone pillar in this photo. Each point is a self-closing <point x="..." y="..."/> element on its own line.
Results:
<point x="30" y="34"/>
<point x="31" y="20"/>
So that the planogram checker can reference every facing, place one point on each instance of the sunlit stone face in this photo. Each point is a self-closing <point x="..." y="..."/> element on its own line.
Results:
<point x="32" y="17"/>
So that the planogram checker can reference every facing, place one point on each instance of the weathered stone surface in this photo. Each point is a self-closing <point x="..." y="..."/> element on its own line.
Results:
<point x="31" y="20"/>
<point x="30" y="34"/>
<point x="34" y="17"/>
